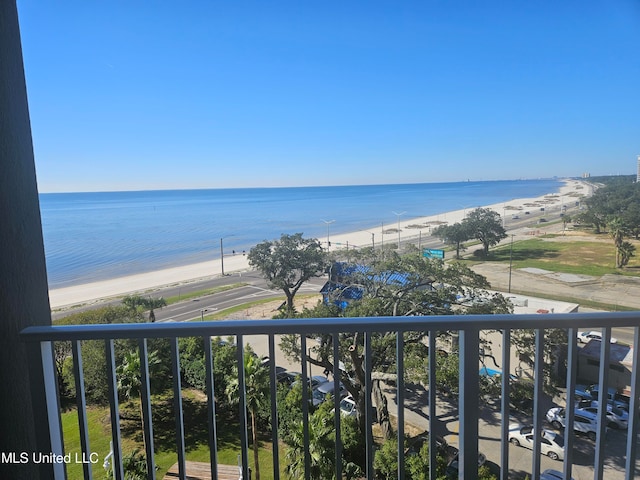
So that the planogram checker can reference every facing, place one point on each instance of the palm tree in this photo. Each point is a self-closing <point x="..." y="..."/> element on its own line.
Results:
<point x="626" y="251"/>
<point x="129" y="380"/>
<point x="618" y="230"/>
<point x="321" y="446"/>
<point x="141" y="304"/>
<point x="256" y="395"/>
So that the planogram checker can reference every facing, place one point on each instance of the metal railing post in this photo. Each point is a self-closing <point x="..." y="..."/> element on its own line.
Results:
<point x="177" y="406"/>
<point x="433" y="450"/>
<point x="211" y="407"/>
<point x="273" y="386"/>
<point x="145" y="392"/>
<point x="242" y="407"/>
<point x="81" y="404"/>
<point x="118" y="469"/>
<point x="400" y="400"/>
<point x="572" y="373"/>
<point x="504" y="403"/>
<point x="469" y="403"/>
<point x="538" y="382"/>
<point x="634" y="406"/>
<point x="605" y="360"/>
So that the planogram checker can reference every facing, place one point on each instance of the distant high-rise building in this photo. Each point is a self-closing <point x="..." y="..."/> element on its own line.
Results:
<point x="638" y="174"/>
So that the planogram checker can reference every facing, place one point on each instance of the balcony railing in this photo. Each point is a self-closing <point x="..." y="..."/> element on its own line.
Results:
<point x="41" y="341"/>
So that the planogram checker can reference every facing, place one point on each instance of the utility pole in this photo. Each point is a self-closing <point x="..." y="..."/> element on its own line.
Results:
<point x="398" y="215"/>
<point x="510" y="262"/>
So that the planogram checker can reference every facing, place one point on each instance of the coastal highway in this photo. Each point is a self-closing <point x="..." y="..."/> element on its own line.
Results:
<point x="210" y="304"/>
<point x="253" y="287"/>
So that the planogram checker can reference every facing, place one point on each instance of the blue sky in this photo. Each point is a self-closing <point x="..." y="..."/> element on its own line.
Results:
<point x="135" y="95"/>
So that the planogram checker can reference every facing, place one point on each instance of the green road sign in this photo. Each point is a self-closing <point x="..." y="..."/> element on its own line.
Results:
<point x="433" y="253"/>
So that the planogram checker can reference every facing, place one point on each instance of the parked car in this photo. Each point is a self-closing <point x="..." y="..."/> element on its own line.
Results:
<point x="551" y="443"/>
<point x="591" y="392"/>
<point x="288" y="378"/>
<point x="616" y="417"/>
<point x="314" y="381"/>
<point x="583" y="422"/>
<point x="452" y="468"/>
<point x="550" y="474"/>
<point x="325" y="392"/>
<point x="613" y="397"/>
<point x="348" y="407"/>
<point x="585" y="337"/>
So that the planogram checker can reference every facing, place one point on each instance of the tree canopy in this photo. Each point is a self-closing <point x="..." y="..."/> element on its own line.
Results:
<point x="396" y="285"/>
<point x="455" y="235"/>
<point x="485" y="225"/>
<point x="615" y="208"/>
<point x="289" y="262"/>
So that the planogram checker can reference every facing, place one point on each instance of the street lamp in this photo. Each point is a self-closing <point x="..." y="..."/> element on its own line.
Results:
<point x="202" y="313"/>
<point x="398" y="215"/>
<point x="221" y="257"/>
<point x="328" y="222"/>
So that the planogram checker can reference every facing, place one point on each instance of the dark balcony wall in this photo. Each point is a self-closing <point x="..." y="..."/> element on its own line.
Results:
<point x="24" y="297"/>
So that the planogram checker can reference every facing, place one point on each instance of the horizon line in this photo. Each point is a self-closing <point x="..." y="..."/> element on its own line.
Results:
<point x="319" y="186"/>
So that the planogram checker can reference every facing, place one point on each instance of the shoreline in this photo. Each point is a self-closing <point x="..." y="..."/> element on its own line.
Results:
<point x="411" y="228"/>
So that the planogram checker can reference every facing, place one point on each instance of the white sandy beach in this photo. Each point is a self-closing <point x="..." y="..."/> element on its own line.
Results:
<point x="410" y="229"/>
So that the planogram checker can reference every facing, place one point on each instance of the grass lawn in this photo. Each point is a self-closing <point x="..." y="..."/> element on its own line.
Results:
<point x="196" y="435"/>
<point x="575" y="256"/>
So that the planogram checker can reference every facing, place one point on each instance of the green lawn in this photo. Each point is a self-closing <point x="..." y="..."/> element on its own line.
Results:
<point x="196" y="434"/>
<point x="578" y="257"/>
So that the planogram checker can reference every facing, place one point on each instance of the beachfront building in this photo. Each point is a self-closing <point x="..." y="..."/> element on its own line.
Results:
<point x="620" y="364"/>
<point x="29" y="403"/>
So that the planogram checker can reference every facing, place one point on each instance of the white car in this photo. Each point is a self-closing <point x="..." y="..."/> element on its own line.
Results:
<point x="348" y="407"/>
<point x="583" y="422"/>
<point x="551" y="443"/>
<point x="616" y="417"/>
<point x="586" y="337"/>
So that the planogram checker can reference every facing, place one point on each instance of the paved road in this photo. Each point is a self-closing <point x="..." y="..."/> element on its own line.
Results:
<point x="255" y="288"/>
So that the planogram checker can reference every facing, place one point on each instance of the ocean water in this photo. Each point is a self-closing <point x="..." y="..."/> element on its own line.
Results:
<point x="97" y="236"/>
